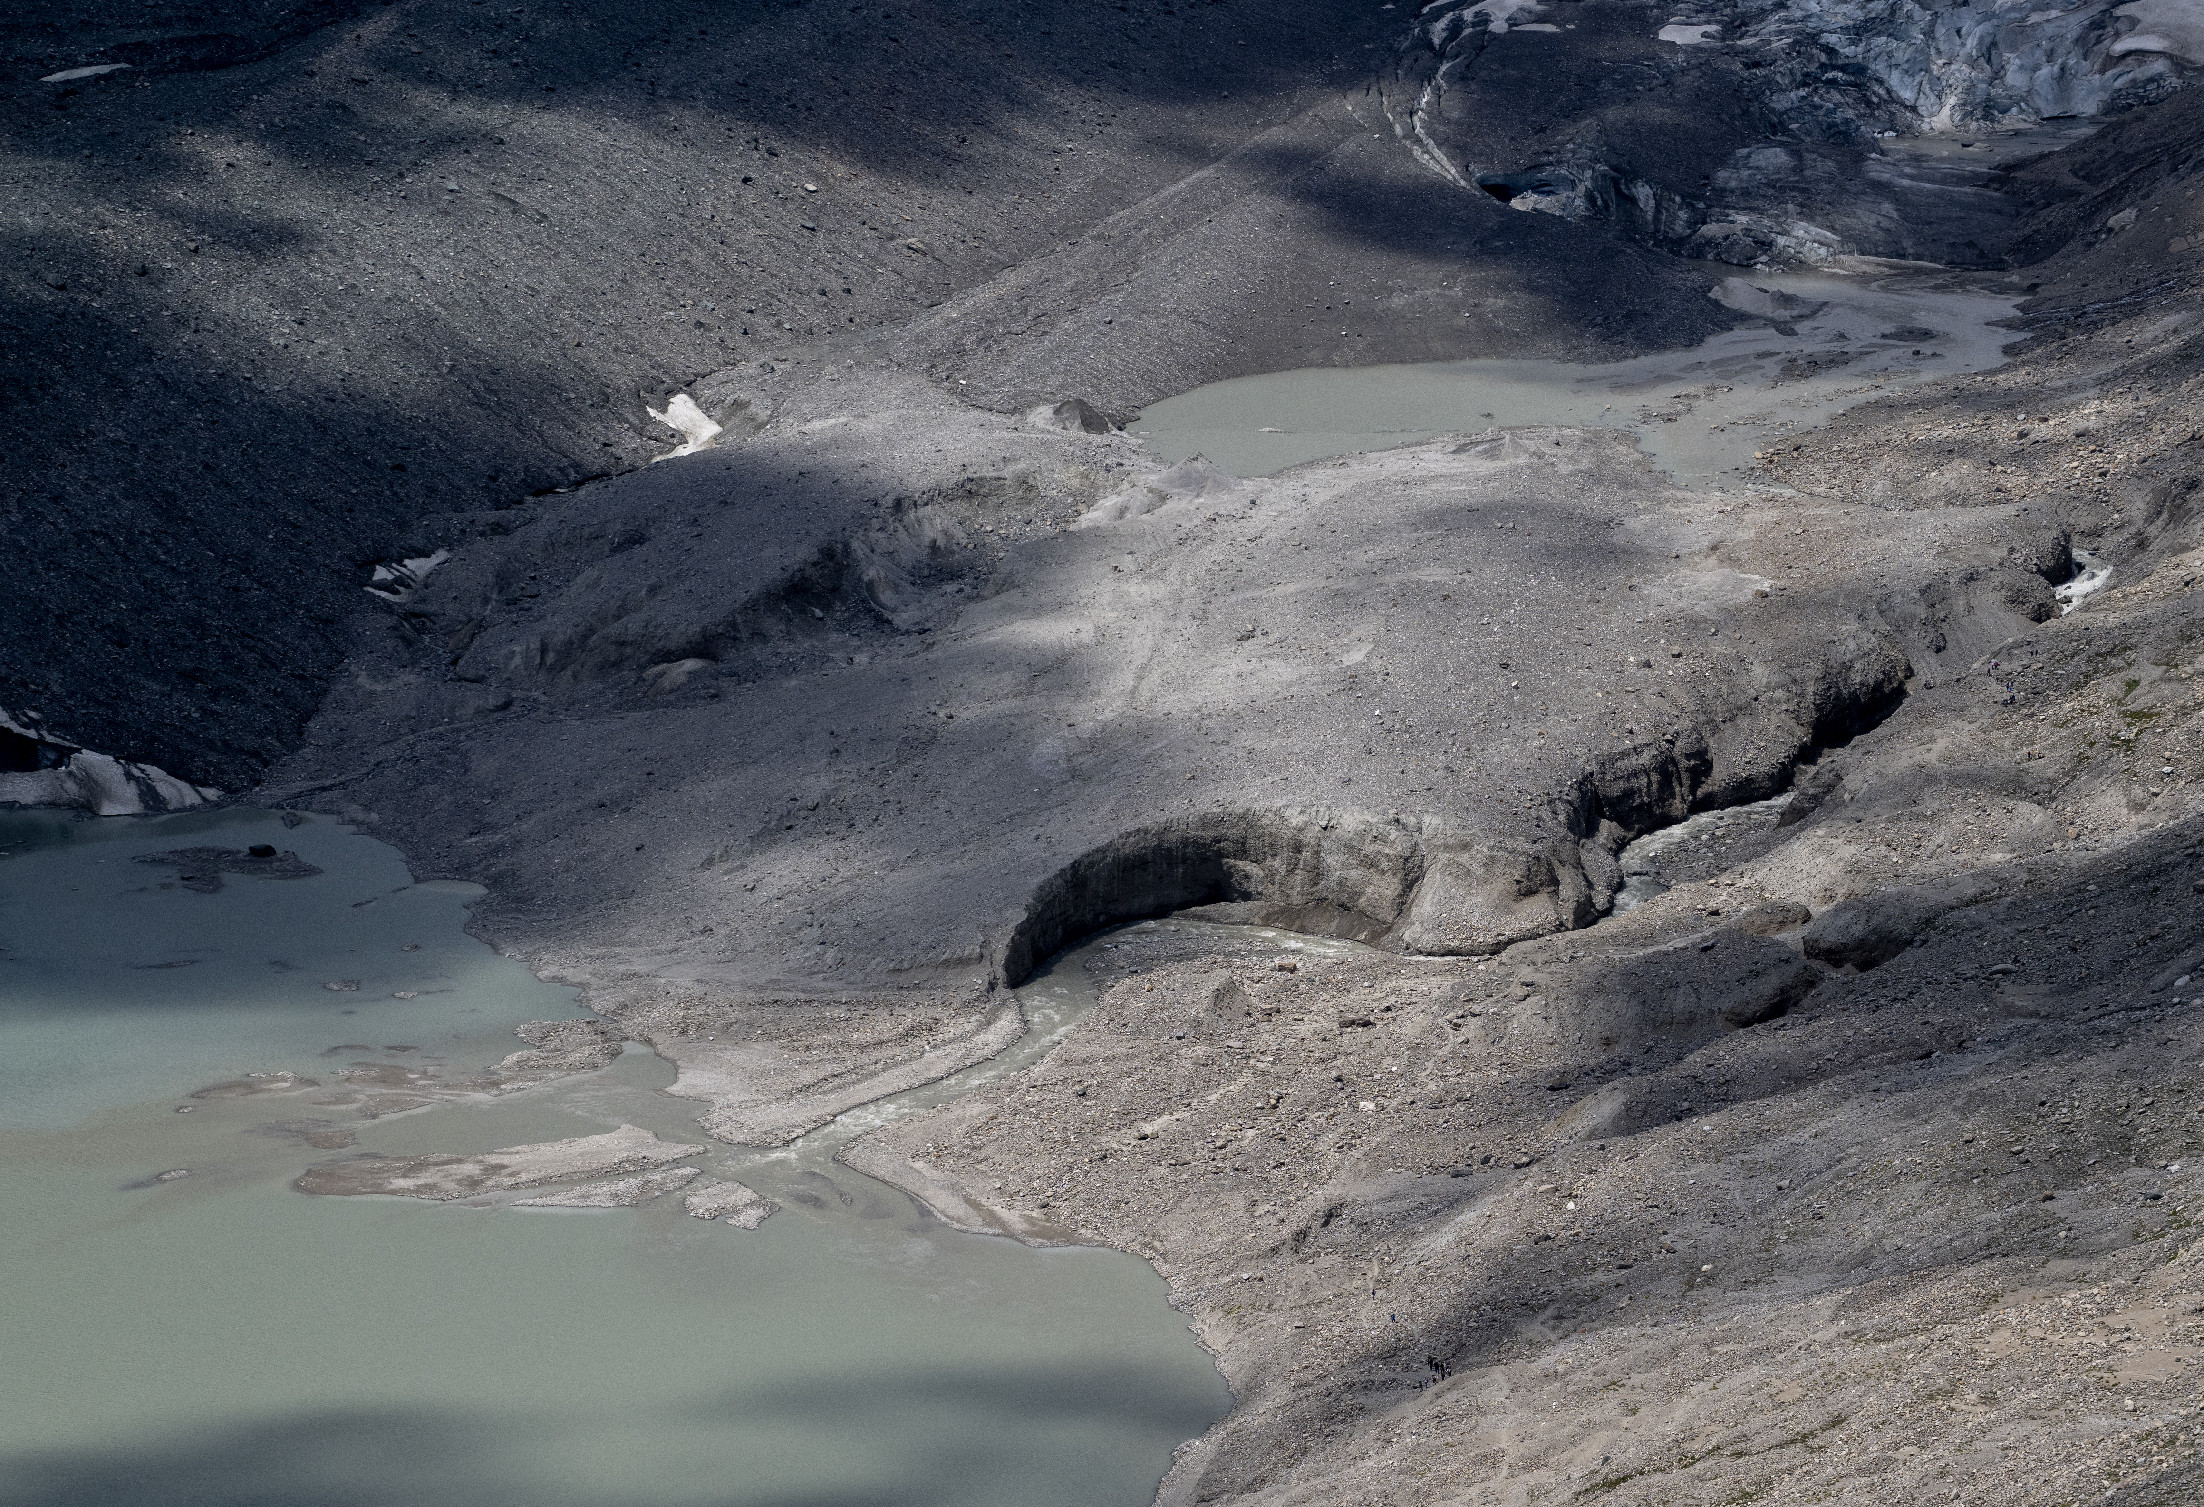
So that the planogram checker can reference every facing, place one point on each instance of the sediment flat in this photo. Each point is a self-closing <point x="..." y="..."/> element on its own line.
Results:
<point x="443" y="1178"/>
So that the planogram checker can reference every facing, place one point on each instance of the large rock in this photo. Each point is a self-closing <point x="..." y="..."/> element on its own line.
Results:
<point x="1475" y="898"/>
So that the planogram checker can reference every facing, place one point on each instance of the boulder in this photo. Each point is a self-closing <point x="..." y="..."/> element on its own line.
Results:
<point x="1072" y="416"/>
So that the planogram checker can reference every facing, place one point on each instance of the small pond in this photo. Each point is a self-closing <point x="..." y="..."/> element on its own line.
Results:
<point x="1822" y="342"/>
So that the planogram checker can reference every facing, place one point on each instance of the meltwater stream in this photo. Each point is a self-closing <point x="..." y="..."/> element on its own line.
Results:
<point x="216" y="1337"/>
<point x="1828" y="340"/>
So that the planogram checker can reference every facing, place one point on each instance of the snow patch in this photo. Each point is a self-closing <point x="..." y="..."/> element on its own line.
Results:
<point x="68" y="74"/>
<point x="1686" y="33"/>
<point x="684" y="418"/>
<point x="38" y="769"/>
<point x="398" y="583"/>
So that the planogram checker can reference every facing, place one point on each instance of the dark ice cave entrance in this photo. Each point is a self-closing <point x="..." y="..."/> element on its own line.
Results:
<point x="21" y="755"/>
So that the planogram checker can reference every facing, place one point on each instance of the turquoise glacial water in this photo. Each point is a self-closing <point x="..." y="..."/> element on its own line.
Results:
<point x="218" y="1338"/>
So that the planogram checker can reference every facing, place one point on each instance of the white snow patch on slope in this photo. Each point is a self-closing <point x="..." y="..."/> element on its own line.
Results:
<point x="684" y="418"/>
<point x="67" y="74"/>
<point x="1686" y="34"/>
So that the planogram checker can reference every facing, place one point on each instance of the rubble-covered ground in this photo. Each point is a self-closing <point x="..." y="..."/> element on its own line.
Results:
<point x="1849" y="1158"/>
<point x="1860" y="1165"/>
<point x="1658" y="1212"/>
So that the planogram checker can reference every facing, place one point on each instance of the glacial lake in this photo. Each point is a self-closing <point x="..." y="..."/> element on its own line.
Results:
<point x="1831" y="340"/>
<point x="218" y="1338"/>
